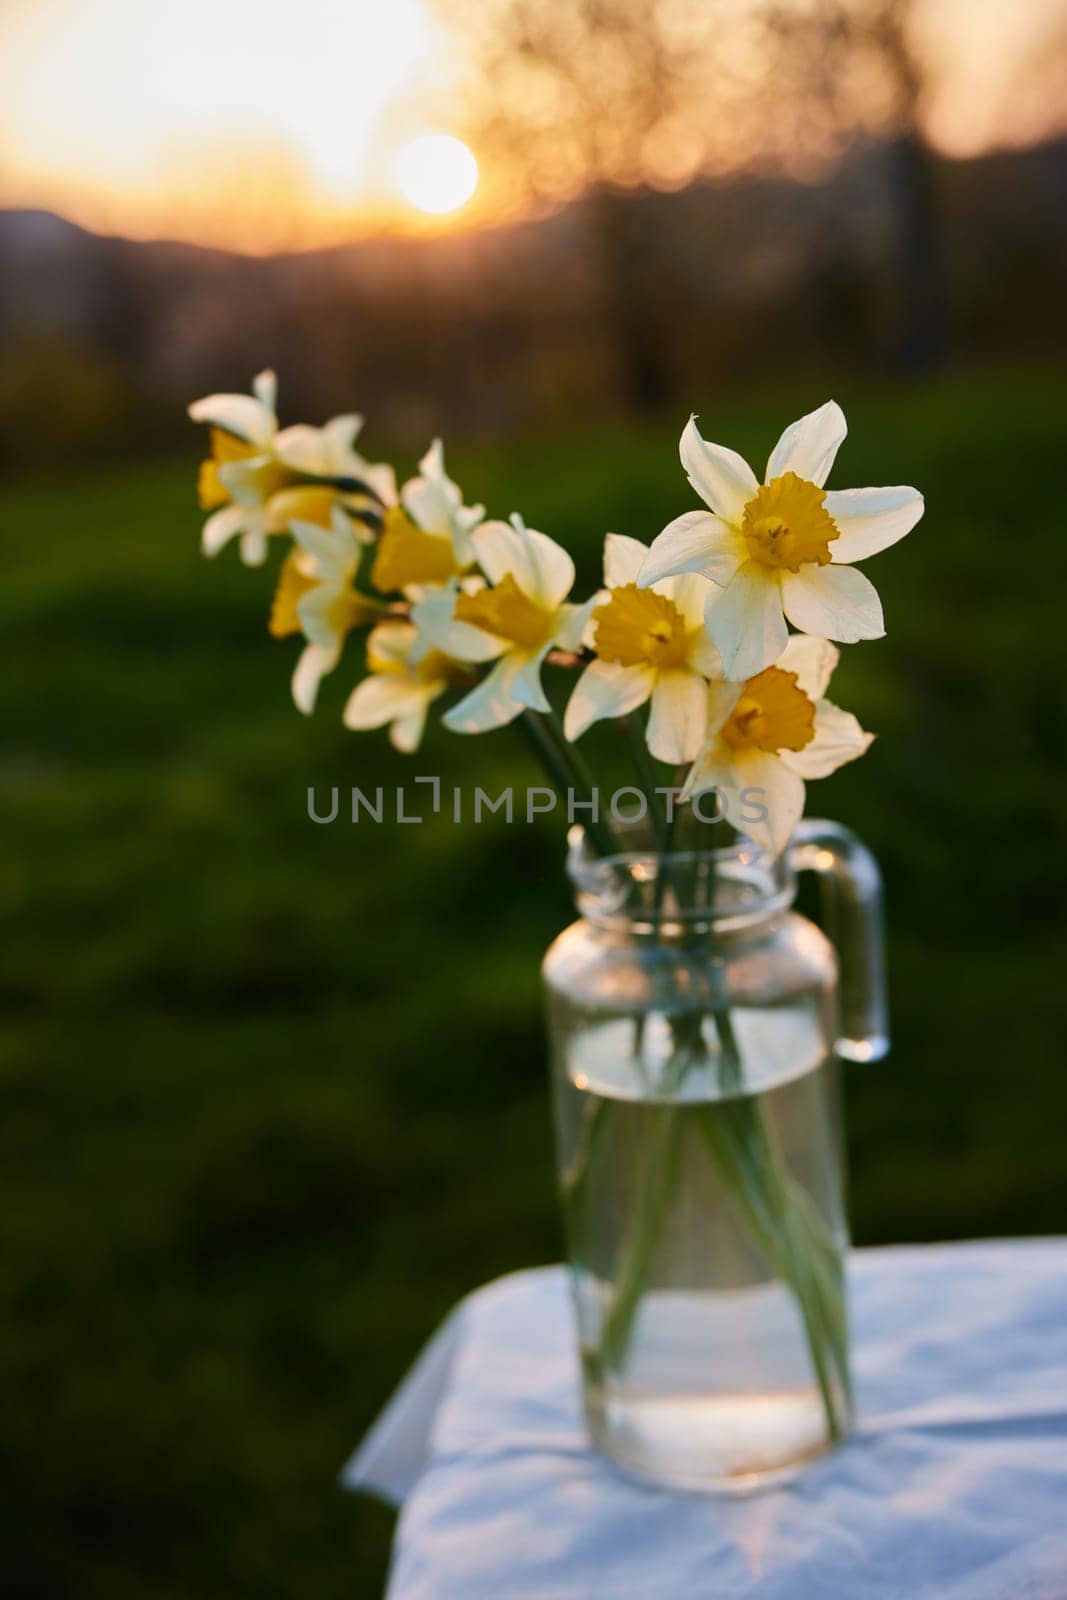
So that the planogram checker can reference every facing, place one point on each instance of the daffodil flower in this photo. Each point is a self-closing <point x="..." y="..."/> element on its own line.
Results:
<point x="362" y="490"/>
<point x="426" y="539"/>
<point x="329" y="452"/>
<point x="764" y="737"/>
<point x="242" y="474"/>
<point x="650" y="644"/>
<point x="514" y="622"/>
<point x="316" y="595"/>
<point x="781" y="549"/>
<point x="406" y="676"/>
<point x="318" y="503"/>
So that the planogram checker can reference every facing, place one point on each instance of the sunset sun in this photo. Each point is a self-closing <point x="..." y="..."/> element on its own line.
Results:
<point x="436" y="173"/>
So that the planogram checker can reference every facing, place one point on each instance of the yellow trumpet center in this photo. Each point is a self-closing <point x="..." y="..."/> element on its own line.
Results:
<point x="773" y="713"/>
<point x="436" y="667"/>
<point x="293" y="584"/>
<point x="352" y="610"/>
<point x="313" y="504"/>
<point x="637" y="627"/>
<point x="509" y="613"/>
<point x="787" y="525"/>
<point x="407" y="555"/>
<point x="225" y="447"/>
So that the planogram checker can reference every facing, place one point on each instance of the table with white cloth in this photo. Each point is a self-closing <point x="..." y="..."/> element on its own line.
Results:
<point x="952" y="1485"/>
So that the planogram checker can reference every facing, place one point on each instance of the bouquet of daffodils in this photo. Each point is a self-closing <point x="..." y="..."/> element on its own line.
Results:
<point x="688" y="644"/>
<point x="458" y="607"/>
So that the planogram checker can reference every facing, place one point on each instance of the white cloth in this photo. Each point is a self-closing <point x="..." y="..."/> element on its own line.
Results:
<point x="952" y="1487"/>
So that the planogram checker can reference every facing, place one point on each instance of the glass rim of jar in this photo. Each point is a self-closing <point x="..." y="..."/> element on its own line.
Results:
<point x="666" y="893"/>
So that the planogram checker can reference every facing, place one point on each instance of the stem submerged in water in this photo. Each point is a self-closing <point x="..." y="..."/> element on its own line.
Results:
<point x="778" y="1215"/>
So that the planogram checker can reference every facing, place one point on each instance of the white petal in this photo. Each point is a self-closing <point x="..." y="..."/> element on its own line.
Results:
<point x="702" y="655"/>
<point x="541" y="568"/>
<point x="525" y="683"/>
<point x="247" y="480"/>
<point x="622" y="559"/>
<point x="254" y="545"/>
<point x="315" y="662"/>
<point x="677" y="720"/>
<point x="382" y="479"/>
<point x="808" y="447"/>
<point x="489" y="705"/>
<point x="606" y="689"/>
<point x="763" y="784"/>
<point x="694" y="542"/>
<point x="723" y="479"/>
<point x="221" y="527"/>
<point x="870" y="520"/>
<point x="392" y="642"/>
<point x="341" y="434"/>
<point x="588" y="639"/>
<point x="238" y="414"/>
<point x="712" y="769"/>
<point x="432" y="465"/>
<point x="722" y="699"/>
<point x="746" y="623"/>
<point x="406" y="733"/>
<point x="464" y="520"/>
<point x="315" y="612"/>
<point x="335" y="550"/>
<point x="690" y="594"/>
<point x="378" y="700"/>
<point x="324" y="452"/>
<point x="573" y="623"/>
<point x="833" y="602"/>
<point x="813" y="660"/>
<point x="431" y="504"/>
<point x="265" y="389"/>
<point x="433" y="616"/>
<point x="434" y="502"/>
<point x="300" y="447"/>
<point x="838" y="738"/>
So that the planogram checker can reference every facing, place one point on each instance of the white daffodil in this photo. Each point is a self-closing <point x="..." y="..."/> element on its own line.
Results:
<point x="329" y="452"/>
<point x="514" y="623"/>
<point x="650" y="644"/>
<point x="781" y="549"/>
<point x="242" y="474"/>
<point x="316" y="596"/>
<point x="426" y="540"/>
<point x="764" y="737"/>
<point x="406" y="677"/>
<point x="251" y="418"/>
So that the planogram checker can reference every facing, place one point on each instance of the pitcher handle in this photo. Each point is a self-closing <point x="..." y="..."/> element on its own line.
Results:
<point x="851" y="894"/>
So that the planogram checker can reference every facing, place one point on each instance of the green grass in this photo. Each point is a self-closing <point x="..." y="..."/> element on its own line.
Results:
<point x="273" y="1094"/>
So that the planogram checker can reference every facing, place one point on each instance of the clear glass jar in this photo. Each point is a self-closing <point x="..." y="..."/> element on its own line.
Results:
<point x="696" y="1025"/>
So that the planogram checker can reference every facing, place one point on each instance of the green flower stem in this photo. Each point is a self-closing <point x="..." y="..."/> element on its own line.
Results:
<point x="662" y="818"/>
<point x="659" y="1183"/>
<point x="776" y="1212"/>
<point x="746" y="1156"/>
<point x="568" y="773"/>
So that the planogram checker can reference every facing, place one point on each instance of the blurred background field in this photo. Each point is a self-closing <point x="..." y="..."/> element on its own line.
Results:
<point x="272" y="1094"/>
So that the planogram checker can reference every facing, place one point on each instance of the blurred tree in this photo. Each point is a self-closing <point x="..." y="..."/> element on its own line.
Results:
<point x="865" y="61"/>
<point x="613" y="95"/>
<point x="602" y="96"/>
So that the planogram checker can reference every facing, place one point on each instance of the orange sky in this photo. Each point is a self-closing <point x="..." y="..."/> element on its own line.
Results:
<point x="146" y="117"/>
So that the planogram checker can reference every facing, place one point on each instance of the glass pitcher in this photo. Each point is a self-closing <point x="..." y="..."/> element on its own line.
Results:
<point x="696" y="1025"/>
